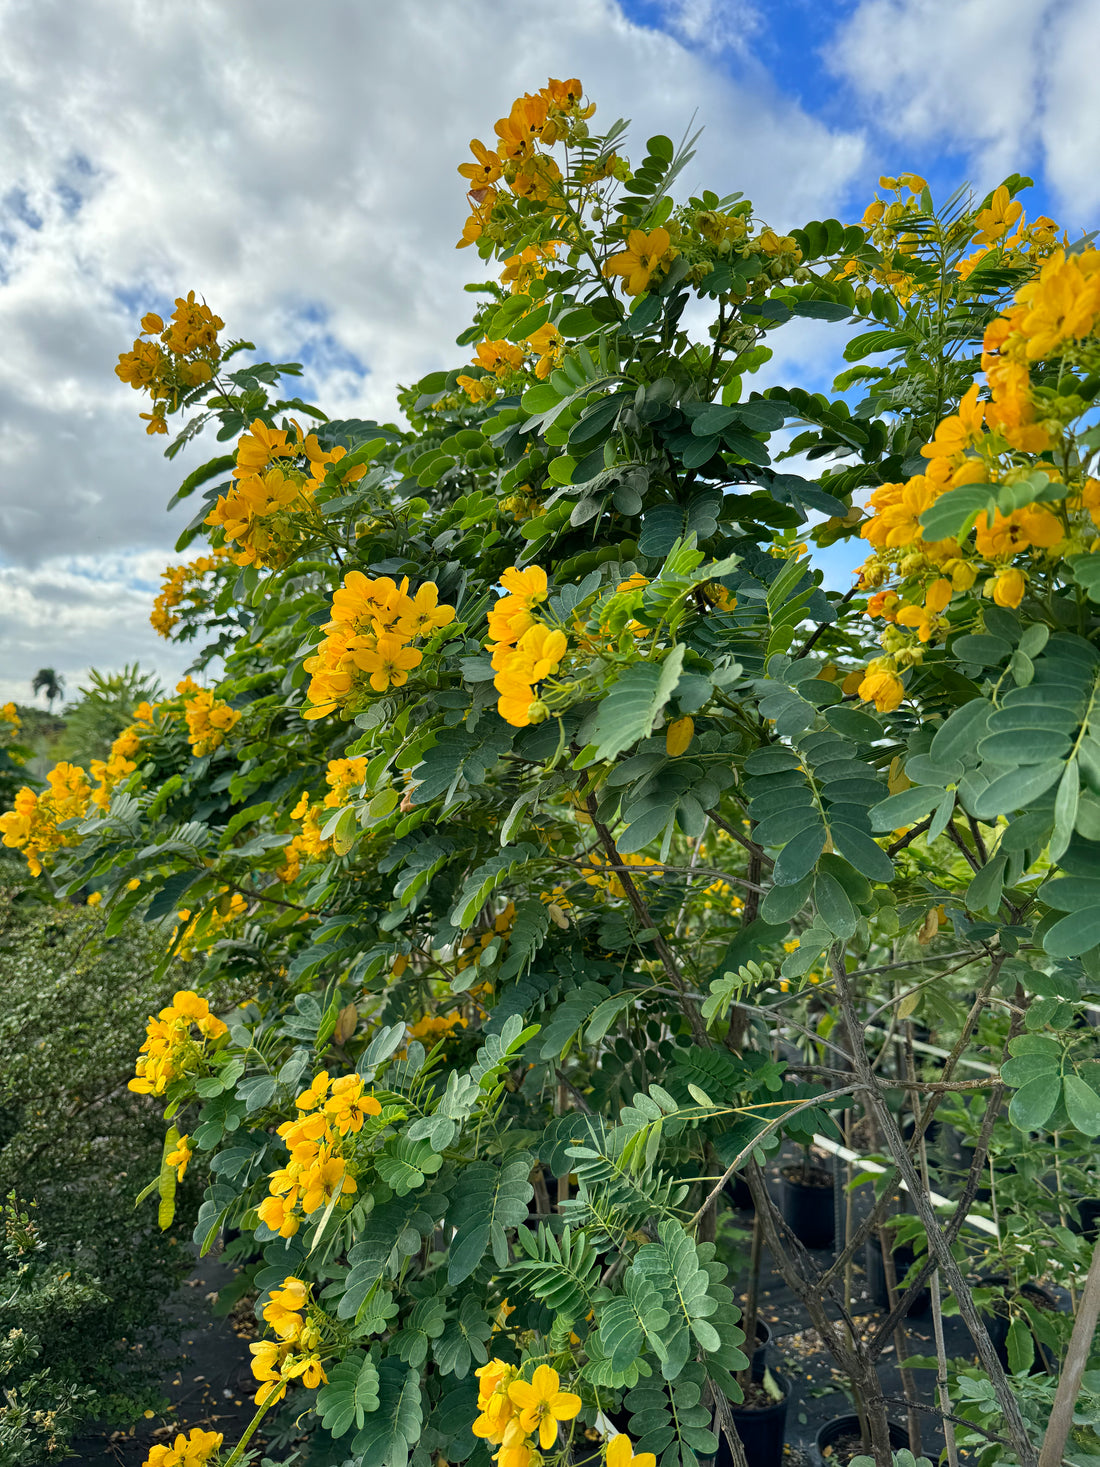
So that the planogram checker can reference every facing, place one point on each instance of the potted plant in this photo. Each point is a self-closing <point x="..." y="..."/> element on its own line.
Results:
<point x="807" y="1201"/>
<point x="761" y="1422"/>
<point x="842" y="1441"/>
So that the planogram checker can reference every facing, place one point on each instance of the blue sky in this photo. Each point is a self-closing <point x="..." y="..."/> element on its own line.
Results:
<point x="296" y="167"/>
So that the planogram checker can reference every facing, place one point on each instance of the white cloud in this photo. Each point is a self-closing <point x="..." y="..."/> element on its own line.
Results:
<point x="1008" y="83"/>
<point x="295" y="166"/>
<point x="716" y="25"/>
<point x="75" y="612"/>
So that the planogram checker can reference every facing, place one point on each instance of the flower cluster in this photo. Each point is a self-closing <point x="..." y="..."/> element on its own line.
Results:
<point x="172" y="1049"/>
<point x="209" y="718"/>
<point x="343" y="777"/>
<point x="1002" y="230"/>
<point x="117" y="767"/>
<point x="989" y="441"/>
<point x="180" y="586"/>
<point x="525" y="651"/>
<point x="513" y="1411"/>
<point x="596" y="873"/>
<point x="331" y="1111"/>
<point x="368" y="642"/>
<point x="31" y="826"/>
<point x="193" y="1450"/>
<point x="168" y="362"/>
<point x="502" y="361"/>
<point x="535" y="121"/>
<point x="278" y="473"/>
<point x="9" y="714"/>
<point x="294" y="1356"/>
<point x="203" y="930"/>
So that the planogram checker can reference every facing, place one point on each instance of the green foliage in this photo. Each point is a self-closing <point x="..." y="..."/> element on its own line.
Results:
<point x="572" y="845"/>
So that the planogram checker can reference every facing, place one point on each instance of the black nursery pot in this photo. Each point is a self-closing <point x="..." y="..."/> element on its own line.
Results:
<point x="737" y="1190"/>
<point x="997" y="1323"/>
<point x="1088" y="1213"/>
<point x="762" y="1432"/>
<point x="835" y="1431"/>
<point x="760" y="1353"/>
<point x="807" y="1206"/>
<point x="876" y="1276"/>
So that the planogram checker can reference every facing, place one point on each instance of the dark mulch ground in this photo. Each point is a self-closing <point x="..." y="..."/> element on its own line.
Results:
<point x="214" y="1388"/>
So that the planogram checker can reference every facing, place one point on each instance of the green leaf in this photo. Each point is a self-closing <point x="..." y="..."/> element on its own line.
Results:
<point x="633" y="704"/>
<point x="904" y="809"/>
<point x="1016" y="789"/>
<point x="854" y="845"/>
<point x="479" y="886"/>
<point x="954" y="513"/>
<point x="1020" y="1347"/>
<point x="350" y="1395"/>
<point x="393" y="1429"/>
<point x="782" y="903"/>
<point x="1082" y="1105"/>
<point x="984" y="892"/>
<point x="799" y="856"/>
<point x="1073" y="935"/>
<point x="1033" y="1104"/>
<point x="493" y="1199"/>
<point x="834" y="907"/>
<point x="961" y="731"/>
<point x="1065" y="810"/>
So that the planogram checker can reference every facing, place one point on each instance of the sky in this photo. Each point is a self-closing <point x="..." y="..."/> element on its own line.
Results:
<point x="295" y="165"/>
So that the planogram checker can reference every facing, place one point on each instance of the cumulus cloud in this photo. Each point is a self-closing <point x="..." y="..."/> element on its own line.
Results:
<point x="1009" y="84"/>
<point x="295" y="166"/>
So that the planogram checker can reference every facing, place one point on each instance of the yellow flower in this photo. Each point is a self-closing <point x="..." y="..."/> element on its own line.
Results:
<point x="389" y="663"/>
<point x="180" y="1156"/>
<point x="193" y="1450"/>
<point x="1009" y="587"/>
<point x="620" y="1453"/>
<point x="1023" y="529"/>
<point x="956" y="433"/>
<point x="644" y="254"/>
<point x="267" y="1368"/>
<point x="881" y="687"/>
<point x="549" y="343"/>
<point x="499" y="357"/>
<point x="284" y="1312"/>
<point x="542" y="1404"/>
<point x="487" y="169"/>
<point x="994" y="222"/>
<point x="528" y="586"/>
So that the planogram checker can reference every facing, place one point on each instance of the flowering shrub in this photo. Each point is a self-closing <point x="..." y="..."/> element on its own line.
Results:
<point x="643" y="849"/>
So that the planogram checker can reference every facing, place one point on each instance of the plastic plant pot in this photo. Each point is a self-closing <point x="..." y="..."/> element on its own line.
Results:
<point x="876" y="1276"/>
<point x="997" y="1323"/>
<point x="839" y="1440"/>
<point x="806" y="1201"/>
<point x="762" y="1430"/>
<point x="760" y="1353"/>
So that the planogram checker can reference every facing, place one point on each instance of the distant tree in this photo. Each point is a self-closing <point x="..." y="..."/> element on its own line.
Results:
<point x="47" y="681"/>
<point x="103" y="709"/>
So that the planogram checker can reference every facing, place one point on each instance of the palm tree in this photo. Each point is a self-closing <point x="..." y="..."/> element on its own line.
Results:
<point x="47" y="681"/>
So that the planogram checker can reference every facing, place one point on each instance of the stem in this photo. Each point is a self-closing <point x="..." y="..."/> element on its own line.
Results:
<point x="1014" y="1422"/>
<point x="1073" y="1368"/>
<point x="250" y="1431"/>
<point x="642" y="913"/>
<point x="748" y="1322"/>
